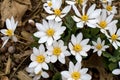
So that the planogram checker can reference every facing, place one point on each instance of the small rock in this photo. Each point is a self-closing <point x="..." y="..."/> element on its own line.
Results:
<point x="11" y="49"/>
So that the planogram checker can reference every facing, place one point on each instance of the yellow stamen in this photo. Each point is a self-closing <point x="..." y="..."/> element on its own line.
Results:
<point x="109" y="8"/>
<point x="77" y="47"/>
<point x="50" y="4"/>
<point x="76" y="75"/>
<point x="56" y="51"/>
<point x="57" y="12"/>
<point x="99" y="46"/>
<point x="9" y="32"/>
<point x="103" y="24"/>
<point x="84" y="18"/>
<point x="40" y="59"/>
<point x="50" y="32"/>
<point x="79" y="1"/>
<point x="114" y="37"/>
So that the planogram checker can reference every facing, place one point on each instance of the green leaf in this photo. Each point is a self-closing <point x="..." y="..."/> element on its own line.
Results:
<point x="112" y="66"/>
<point x="107" y="55"/>
<point x="57" y="76"/>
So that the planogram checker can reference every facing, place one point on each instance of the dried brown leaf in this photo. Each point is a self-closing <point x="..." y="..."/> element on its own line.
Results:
<point x="4" y="78"/>
<point x="15" y="8"/>
<point x="23" y="76"/>
<point x="8" y="65"/>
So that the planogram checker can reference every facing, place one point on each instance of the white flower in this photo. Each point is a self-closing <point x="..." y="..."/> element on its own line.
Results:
<point x="49" y="32"/>
<point x="99" y="46"/>
<point x="37" y="76"/>
<point x="73" y="2"/>
<point x="109" y="8"/>
<point x="105" y="22"/>
<point x="105" y="1"/>
<point x="114" y="36"/>
<point x="116" y="71"/>
<point x="56" y="12"/>
<point x="79" y="47"/>
<point x="47" y="5"/>
<point x="9" y="32"/>
<point x="89" y="18"/>
<point x="39" y="59"/>
<point x="76" y="73"/>
<point x="57" y="51"/>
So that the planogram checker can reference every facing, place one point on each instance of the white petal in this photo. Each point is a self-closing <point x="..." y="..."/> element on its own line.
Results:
<point x="66" y="9"/>
<point x="45" y="66"/>
<point x="53" y="59"/>
<point x="83" y="70"/>
<point x="35" y="51"/>
<point x="91" y="9"/>
<point x="33" y="57"/>
<point x="115" y="45"/>
<point x="40" y="26"/>
<point x="57" y="19"/>
<point x="79" y="37"/>
<point x="51" y="17"/>
<point x="83" y="53"/>
<point x="91" y="25"/>
<point x="80" y="24"/>
<point x="78" y="57"/>
<point x="109" y="18"/>
<point x="84" y="42"/>
<point x="86" y="77"/>
<point x="66" y="74"/>
<point x="62" y="60"/>
<point x="71" y="66"/>
<point x="77" y="66"/>
<point x="33" y="64"/>
<point x="50" y="41"/>
<point x="95" y="13"/>
<point x="76" y="19"/>
<point x="116" y="71"/>
<point x="5" y="41"/>
<point x="43" y="39"/>
<point x="14" y="38"/>
<point x="3" y="31"/>
<point x="37" y="69"/>
<point x="45" y="74"/>
<point x="76" y="10"/>
<point x="8" y="24"/>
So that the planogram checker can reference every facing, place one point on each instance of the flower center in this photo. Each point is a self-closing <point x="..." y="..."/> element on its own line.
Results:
<point x="104" y="1"/>
<point x="103" y="24"/>
<point x="114" y="37"/>
<point x="77" y="47"/>
<point x="109" y="8"/>
<point x="56" y="51"/>
<point x="57" y="12"/>
<point x="75" y="75"/>
<point x="50" y="4"/>
<point x="40" y="59"/>
<point x="9" y="32"/>
<point x="99" y="46"/>
<point x="79" y="1"/>
<point x="50" y="32"/>
<point x="84" y="18"/>
<point x="39" y="73"/>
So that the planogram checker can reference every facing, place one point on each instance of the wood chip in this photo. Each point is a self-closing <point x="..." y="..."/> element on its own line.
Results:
<point x="23" y="76"/>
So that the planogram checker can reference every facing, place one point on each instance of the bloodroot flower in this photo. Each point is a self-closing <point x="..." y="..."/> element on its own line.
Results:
<point x="9" y="32"/>
<point x="76" y="73"/>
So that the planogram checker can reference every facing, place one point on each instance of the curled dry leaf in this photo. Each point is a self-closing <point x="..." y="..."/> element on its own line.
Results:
<point x="23" y="76"/>
<point x="8" y="66"/>
<point x="27" y="36"/>
<point x="4" y="78"/>
<point x="15" y="8"/>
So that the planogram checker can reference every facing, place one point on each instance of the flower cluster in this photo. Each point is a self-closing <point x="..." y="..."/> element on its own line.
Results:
<point x="51" y="32"/>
